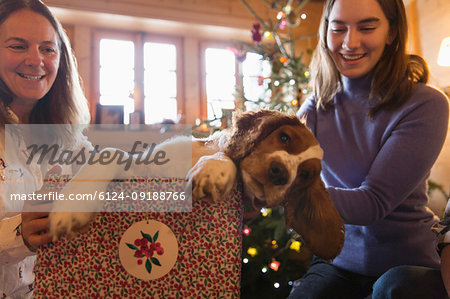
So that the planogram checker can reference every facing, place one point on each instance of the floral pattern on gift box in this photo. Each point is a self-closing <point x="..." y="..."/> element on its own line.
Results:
<point x="208" y="263"/>
<point x="145" y="247"/>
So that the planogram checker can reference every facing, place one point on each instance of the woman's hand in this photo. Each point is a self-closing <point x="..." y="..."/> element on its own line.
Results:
<point x="35" y="229"/>
<point x="35" y="225"/>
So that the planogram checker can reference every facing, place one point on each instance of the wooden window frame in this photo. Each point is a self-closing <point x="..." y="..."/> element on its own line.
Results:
<point x="138" y="38"/>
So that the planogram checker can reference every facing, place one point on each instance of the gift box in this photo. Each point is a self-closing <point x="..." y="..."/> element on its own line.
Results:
<point x="193" y="254"/>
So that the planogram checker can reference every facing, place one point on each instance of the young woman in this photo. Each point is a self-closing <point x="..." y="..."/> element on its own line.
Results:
<point x="39" y="84"/>
<point x="381" y="128"/>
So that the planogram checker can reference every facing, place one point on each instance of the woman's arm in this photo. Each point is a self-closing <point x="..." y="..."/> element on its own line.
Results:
<point x="12" y="246"/>
<point x="21" y="234"/>
<point x="411" y="144"/>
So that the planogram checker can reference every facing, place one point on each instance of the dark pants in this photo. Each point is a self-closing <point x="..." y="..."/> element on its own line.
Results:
<point x="325" y="281"/>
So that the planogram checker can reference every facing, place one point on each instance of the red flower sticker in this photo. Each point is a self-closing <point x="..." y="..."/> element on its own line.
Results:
<point x="145" y="248"/>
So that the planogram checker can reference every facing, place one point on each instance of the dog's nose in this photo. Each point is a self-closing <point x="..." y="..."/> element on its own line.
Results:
<point x="278" y="173"/>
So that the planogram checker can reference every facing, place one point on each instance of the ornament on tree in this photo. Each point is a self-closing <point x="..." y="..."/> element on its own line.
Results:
<point x="256" y="35"/>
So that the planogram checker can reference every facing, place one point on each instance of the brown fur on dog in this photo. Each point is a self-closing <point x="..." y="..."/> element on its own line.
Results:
<point x="254" y="138"/>
<point x="249" y="128"/>
<point x="310" y="212"/>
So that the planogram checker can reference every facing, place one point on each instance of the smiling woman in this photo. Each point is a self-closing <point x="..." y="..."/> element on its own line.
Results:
<point x="373" y="114"/>
<point x="39" y="84"/>
<point x="357" y="42"/>
<point x="29" y="59"/>
<point x="37" y="67"/>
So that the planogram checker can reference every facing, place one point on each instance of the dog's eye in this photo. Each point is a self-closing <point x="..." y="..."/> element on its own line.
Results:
<point x="284" y="137"/>
<point x="304" y="174"/>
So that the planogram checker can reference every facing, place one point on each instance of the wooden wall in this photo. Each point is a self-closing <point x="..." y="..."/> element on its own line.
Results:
<point x="429" y="24"/>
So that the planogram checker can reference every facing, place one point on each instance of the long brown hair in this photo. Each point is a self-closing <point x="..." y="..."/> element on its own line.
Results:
<point x="65" y="102"/>
<point x="393" y="77"/>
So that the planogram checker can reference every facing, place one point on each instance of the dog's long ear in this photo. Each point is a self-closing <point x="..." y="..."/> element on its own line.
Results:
<point x="311" y="214"/>
<point x="249" y="128"/>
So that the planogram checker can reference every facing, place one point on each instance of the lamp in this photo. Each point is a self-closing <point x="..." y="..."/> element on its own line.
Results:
<point x="444" y="52"/>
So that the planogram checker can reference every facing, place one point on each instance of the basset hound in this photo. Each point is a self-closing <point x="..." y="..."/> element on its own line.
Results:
<point x="275" y="155"/>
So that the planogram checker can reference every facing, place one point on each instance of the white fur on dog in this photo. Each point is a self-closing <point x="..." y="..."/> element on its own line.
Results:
<point x="217" y="175"/>
<point x="276" y="194"/>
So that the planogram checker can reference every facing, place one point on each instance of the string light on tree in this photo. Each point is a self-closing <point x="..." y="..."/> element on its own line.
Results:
<point x="296" y="245"/>
<point x="274" y="244"/>
<point x="252" y="251"/>
<point x="281" y="15"/>
<point x="274" y="265"/>
<point x="246" y="231"/>
<point x="266" y="212"/>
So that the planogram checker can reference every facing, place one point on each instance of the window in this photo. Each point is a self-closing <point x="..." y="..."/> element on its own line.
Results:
<point x="222" y="74"/>
<point x="254" y="74"/>
<point x="160" y="77"/>
<point x="141" y="73"/>
<point x="220" y="70"/>
<point x="117" y="75"/>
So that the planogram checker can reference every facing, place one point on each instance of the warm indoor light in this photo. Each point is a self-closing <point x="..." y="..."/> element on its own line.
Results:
<point x="274" y="265"/>
<point x="296" y="245"/>
<point x="252" y="251"/>
<point x="444" y="52"/>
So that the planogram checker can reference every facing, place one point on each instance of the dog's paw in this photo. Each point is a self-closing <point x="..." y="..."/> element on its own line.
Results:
<point x="212" y="177"/>
<point x="69" y="224"/>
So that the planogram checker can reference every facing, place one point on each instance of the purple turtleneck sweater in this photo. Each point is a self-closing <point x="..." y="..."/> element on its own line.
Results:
<point x="376" y="172"/>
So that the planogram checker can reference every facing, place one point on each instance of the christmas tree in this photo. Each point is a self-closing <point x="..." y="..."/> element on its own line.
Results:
<point x="273" y="256"/>
<point x="276" y="42"/>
